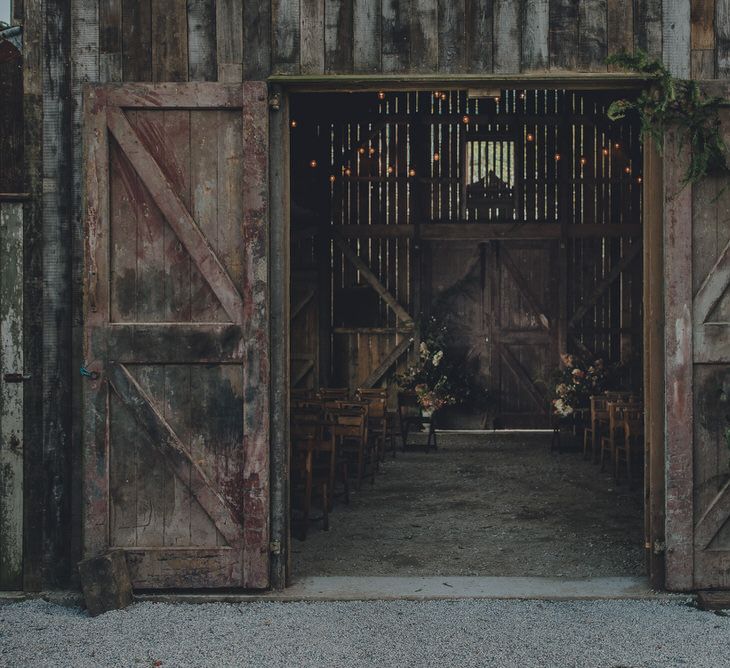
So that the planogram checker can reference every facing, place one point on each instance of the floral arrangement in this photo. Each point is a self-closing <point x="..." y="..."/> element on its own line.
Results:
<point x="433" y="377"/>
<point x="576" y="382"/>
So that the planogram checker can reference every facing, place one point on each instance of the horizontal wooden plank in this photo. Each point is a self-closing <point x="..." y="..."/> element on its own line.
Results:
<point x="202" y="567"/>
<point x="425" y="82"/>
<point x="171" y="343"/>
<point x="192" y="95"/>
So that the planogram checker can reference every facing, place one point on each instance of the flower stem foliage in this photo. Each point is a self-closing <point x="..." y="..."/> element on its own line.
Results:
<point x="677" y="103"/>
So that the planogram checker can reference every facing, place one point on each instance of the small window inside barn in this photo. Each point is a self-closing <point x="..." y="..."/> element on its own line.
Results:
<point x="11" y="113"/>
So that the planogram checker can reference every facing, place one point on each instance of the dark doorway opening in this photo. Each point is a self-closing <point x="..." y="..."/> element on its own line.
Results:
<point x="513" y="220"/>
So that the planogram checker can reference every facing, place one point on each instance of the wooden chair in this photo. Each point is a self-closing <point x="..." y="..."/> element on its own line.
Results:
<point x="350" y="429"/>
<point x="615" y="429"/>
<point x="313" y="458"/>
<point x="378" y="426"/>
<point x="626" y="450"/>
<point x="591" y="435"/>
<point x="409" y="417"/>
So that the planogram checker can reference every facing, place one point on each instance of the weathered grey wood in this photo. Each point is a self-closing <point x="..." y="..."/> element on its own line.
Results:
<point x="535" y="35"/>
<point x="679" y="376"/>
<point x="192" y="95"/>
<point x="163" y="437"/>
<point x="507" y="47"/>
<point x="57" y="290"/>
<point x="424" y="36"/>
<point x="564" y="34"/>
<point x="451" y="35"/>
<point x="676" y="23"/>
<point x="620" y="26"/>
<point x="373" y="280"/>
<point x="338" y="35"/>
<point x="109" y="35"/>
<point x="11" y="396"/>
<point x="367" y="36"/>
<point x="396" y="35"/>
<point x="312" y="30"/>
<point x="279" y="178"/>
<point x="170" y="41"/>
<point x="525" y="288"/>
<point x="722" y="33"/>
<point x="257" y="40"/>
<point x="136" y="40"/>
<point x="229" y="40"/>
<point x="592" y="37"/>
<point x="648" y="26"/>
<point x="390" y="359"/>
<point x="202" y="64"/>
<point x="285" y="35"/>
<point x="177" y="215"/>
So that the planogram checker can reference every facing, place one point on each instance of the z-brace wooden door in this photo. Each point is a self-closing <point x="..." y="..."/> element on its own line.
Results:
<point x="176" y="332"/>
<point x="522" y="328"/>
<point x="697" y="341"/>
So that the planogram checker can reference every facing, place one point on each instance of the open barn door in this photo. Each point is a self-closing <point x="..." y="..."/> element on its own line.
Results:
<point x="176" y="332"/>
<point x="697" y="339"/>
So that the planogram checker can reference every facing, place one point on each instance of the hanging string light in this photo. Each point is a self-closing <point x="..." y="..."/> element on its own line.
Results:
<point x="390" y="169"/>
<point x="333" y="178"/>
<point x="557" y="156"/>
<point x="604" y="151"/>
<point x="437" y="93"/>
<point x="347" y="171"/>
<point x="465" y="119"/>
<point x="381" y="95"/>
<point x="627" y="169"/>
<point x="530" y="136"/>
<point x="617" y="146"/>
<point x="361" y="150"/>
<point x="496" y="99"/>
<point x="638" y="179"/>
<point x="443" y="96"/>
<point x="411" y="172"/>
<point x="371" y="150"/>
<point x="436" y="157"/>
<point x="313" y="164"/>
<point x="583" y="161"/>
<point x="293" y="123"/>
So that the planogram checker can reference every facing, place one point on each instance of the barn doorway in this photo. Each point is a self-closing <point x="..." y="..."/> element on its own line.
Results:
<point x="502" y="228"/>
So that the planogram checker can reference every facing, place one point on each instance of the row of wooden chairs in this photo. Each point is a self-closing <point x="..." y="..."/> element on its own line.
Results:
<point x="336" y="438"/>
<point x="615" y="433"/>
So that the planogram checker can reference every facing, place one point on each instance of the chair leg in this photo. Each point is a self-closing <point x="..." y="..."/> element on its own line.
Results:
<point x="360" y="467"/>
<point x="325" y="508"/>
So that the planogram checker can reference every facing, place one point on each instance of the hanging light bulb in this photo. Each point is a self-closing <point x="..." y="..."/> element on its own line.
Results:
<point x="530" y="136"/>
<point x="496" y="98"/>
<point x="361" y="150"/>
<point x="381" y="95"/>
<point x="411" y="172"/>
<point x="522" y="96"/>
<point x="638" y="179"/>
<point x="348" y="171"/>
<point x="605" y="151"/>
<point x="617" y="146"/>
<point x="465" y="119"/>
<point x="437" y="93"/>
<point x="436" y="157"/>
<point x="333" y="178"/>
<point x="313" y="164"/>
<point x="627" y="169"/>
<point x="443" y="96"/>
<point x="557" y="156"/>
<point x="390" y="169"/>
<point x="293" y="123"/>
<point x="371" y="150"/>
<point x="583" y="161"/>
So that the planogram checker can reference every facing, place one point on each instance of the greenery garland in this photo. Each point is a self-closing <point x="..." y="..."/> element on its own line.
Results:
<point x="675" y="102"/>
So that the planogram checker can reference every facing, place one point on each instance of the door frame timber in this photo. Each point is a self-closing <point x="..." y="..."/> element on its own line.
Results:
<point x="280" y="87"/>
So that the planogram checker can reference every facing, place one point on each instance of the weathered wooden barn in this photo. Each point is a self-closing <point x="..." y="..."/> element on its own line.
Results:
<point x="147" y="195"/>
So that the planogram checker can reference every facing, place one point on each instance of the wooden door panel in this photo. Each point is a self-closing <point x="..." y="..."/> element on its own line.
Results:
<point x="177" y="330"/>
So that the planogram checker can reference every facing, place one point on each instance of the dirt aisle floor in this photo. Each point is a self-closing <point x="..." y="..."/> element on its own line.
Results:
<point x="482" y="505"/>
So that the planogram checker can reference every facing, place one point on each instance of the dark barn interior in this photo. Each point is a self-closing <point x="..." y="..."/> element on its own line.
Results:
<point x="512" y="218"/>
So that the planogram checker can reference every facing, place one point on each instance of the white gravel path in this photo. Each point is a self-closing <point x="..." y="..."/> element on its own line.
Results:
<point x="433" y="633"/>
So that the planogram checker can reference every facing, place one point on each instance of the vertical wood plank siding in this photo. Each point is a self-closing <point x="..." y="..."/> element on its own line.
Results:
<point x="141" y="41"/>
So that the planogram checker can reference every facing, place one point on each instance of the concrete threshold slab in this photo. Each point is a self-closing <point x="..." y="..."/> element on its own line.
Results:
<point x="338" y="588"/>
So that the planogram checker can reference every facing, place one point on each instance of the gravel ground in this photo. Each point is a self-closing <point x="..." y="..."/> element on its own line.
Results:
<point x="615" y="634"/>
<point x="492" y="505"/>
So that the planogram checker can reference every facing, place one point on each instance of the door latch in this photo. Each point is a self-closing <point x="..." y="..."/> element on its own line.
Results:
<point x="16" y="377"/>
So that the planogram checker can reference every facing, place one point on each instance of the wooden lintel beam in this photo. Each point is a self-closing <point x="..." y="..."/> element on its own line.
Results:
<point x="588" y="304"/>
<point x="373" y="280"/>
<point x="391" y="358"/>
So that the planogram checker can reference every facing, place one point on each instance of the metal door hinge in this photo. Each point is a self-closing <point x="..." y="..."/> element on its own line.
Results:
<point x="275" y="547"/>
<point x="658" y="547"/>
<point x="275" y="101"/>
<point x="16" y="377"/>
